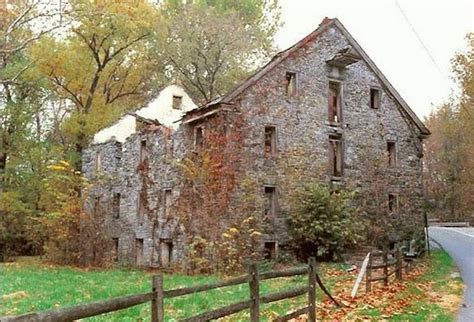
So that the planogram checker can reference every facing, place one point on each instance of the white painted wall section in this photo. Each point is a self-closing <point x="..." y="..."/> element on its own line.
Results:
<point x="160" y="108"/>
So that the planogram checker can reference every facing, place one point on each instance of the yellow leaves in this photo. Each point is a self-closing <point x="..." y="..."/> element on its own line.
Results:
<point x="64" y="163"/>
<point x="256" y="234"/>
<point x="233" y="230"/>
<point x="248" y="220"/>
<point x="56" y="167"/>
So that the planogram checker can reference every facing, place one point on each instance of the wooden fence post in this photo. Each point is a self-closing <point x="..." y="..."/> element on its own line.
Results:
<point x="312" y="289"/>
<point x="254" y="293"/>
<point x="399" y="263"/>
<point x="157" y="304"/>
<point x="368" y="275"/>
<point x="385" y="267"/>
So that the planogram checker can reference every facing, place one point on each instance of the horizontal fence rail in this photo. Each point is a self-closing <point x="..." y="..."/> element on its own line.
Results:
<point x="207" y="287"/>
<point x="158" y="294"/>
<point x="84" y="310"/>
<point x="391" y="266"/>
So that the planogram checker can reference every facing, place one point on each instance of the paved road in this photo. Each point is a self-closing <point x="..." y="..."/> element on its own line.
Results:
<point x="459" y="243"/>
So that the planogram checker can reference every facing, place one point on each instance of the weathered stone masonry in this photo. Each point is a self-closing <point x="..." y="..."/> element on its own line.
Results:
<point x="300" y="121"/>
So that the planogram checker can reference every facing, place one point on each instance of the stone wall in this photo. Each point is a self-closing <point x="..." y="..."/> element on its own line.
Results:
<point x="123" y="172"/>
<point x="302" y="145"/>
<point x="301" y="124"/>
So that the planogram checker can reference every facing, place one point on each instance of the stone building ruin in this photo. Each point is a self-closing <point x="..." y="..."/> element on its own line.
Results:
<point x="323" y="96"/>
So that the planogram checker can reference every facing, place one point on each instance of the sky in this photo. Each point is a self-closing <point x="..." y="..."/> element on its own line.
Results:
<point x="384" y="33"/>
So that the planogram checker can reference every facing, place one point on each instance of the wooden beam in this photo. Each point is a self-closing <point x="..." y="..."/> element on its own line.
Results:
<point x="254" y="293"/>
<point x="84" y="310"/>
<point x="207" y="287"/>
<point x="223" y="311"/>
<point x="283" y="295"/>
<point x="283" y="273"/>
<point x="360" y="276"/>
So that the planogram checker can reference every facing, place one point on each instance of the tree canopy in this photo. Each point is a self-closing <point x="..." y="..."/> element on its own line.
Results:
<point x="69" y="69"/>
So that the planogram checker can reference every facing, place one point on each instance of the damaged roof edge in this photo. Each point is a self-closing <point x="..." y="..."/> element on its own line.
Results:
<point x="421" y="126"/>
<point x="278" y="58"/>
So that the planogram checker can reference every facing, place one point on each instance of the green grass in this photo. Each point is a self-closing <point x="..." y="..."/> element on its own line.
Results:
<point x="40" y="287"/>
<point x="32" y="286"/>
<point x="440" y="266"/>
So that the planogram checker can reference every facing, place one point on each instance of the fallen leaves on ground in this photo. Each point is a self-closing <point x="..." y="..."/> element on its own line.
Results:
<point x="391" y="300"/>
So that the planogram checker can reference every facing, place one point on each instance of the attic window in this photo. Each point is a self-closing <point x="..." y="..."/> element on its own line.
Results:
<point x="334" y="102"/>
<point x="374" y="98"/>
<point x="291" y="89"/>
<point x="177" y="102"/>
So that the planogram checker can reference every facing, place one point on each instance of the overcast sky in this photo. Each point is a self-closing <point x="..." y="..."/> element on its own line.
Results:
<point x="381" y="29"/>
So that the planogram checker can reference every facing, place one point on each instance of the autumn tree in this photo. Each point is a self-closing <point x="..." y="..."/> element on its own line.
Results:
<point x="23" y="101"/>
<point x="213" y="45"/>
<point x="449" y="171"/>
<point x="101" y="65"/>
<point x="22" y="23"/>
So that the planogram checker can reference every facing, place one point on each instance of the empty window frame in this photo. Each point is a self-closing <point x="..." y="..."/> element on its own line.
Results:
<point x="270" y="250"/>
<point x="291" y="85"/>
<point x="392" y="203"/>
<point x="335" y="156"/>
<point x="375" y="98"/>
<point x="392" y="153"/>
<point x="97" y="206"/>
<point x="198" y="137"/>
<point x="270" y="202"/>
<point x="270" y="141"/>
<point x="116" y="205"/>
<point x="177" y="102"/>
<point x="139" y="251"/>
<point x="143" y="150"/>
<point x="169" y="148"/>
<point x="334" y="102"/>
<point x="115" y="249"/>
<point x="166" y="252"/>
<point x="167" y="198"/>
<point x="141" y="211"/>
<point x="98" y="161"/>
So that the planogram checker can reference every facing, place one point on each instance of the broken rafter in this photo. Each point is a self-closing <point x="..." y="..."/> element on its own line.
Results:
<point x="345" y="57"/>
<point x="145" y="120"/>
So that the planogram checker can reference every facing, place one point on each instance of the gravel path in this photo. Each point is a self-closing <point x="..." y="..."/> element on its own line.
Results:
<point x="459" y="243"/>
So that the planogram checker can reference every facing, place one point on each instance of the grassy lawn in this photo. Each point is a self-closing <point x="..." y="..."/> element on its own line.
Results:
<point x="30" y="286"/>
<point x="428" y="294"/>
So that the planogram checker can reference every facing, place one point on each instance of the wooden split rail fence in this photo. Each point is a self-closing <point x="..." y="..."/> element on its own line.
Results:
<point x="391" y="262"/>
<point x="158" y="294"/>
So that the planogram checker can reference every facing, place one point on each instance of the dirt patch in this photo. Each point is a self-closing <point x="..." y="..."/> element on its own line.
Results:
<point x="14" y="296"/>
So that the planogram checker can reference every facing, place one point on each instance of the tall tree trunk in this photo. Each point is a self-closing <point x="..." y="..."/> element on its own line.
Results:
<point x="3" y="166"/>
